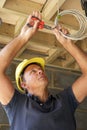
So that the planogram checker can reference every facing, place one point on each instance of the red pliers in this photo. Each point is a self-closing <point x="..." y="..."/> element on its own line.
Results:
<point x="41" y="24"/>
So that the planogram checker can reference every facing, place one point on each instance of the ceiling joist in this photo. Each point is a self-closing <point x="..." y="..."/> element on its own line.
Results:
<point x="10" y="23"/>
<point x="53" y="54"/>
<point x="39" y="49"/>
<point x="39" y="1"/>
<point x="2" y="2"/>
<point x="51" y="8"/>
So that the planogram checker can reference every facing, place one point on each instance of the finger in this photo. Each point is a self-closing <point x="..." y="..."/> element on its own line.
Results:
<point x="62" y="29"/>
<point x="29" y="19"/>
<point x="58" y="27"/>
<point x="36" y="24"/>
<point x="37" y="14"/>
<point x="40" y="16"/>
<point x="33" y="13"/>
<point x="56" y="32"/>
<point x="65" y="31"/>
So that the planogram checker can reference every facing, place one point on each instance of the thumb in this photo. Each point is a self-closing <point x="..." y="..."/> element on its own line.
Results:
<point x="36" y="24"/>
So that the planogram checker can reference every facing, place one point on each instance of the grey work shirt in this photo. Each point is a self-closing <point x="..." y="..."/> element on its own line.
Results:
<point x="26" y="112"/>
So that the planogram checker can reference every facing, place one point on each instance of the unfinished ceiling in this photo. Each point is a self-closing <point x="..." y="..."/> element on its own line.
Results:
<point x="14" y="13"/>
<point x="44" y="44"/>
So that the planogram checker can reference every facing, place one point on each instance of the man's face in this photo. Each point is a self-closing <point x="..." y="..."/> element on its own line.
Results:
<point x="35" y="77"/>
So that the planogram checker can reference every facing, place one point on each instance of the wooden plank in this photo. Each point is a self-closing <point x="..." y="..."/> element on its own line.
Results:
<point x="66" y="59"/>
<point x="39" y="1"/>
<point x="5" y="39"/>
<point x="33" y="46"/>
<point x="68" y="62"/>
<point x="51" y="8"/>
<point x="45" y="38"/>
<point x="11" y="23"/>
<point x="72" y="4"/>
<point x="14" y="12"/>
<point x="23" y="6"/>
<point x="2" y="2"/>
<point x="53" y="54"/>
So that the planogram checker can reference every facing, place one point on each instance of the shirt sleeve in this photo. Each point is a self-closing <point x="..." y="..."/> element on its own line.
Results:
<point x="11" y="106"/>
<point x="69" y="99"/>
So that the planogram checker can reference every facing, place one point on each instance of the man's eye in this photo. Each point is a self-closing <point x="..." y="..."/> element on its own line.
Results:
<point x="33" y="71"/>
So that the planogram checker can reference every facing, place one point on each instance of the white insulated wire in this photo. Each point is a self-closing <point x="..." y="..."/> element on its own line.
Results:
<point x="82" y="20"/>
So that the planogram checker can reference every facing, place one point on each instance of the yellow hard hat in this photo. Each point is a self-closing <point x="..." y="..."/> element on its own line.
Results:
<point x="23" y="65"/>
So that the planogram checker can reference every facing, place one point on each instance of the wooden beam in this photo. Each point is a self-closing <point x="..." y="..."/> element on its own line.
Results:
<point x="41" y="49"/>
<point x="39" y="1"/>
<point x="69" y="4"/>
<point x="11" y="23"/>
<point x="23" y="6"/>
<point x="2" y="2"/>
<point x="68" y="62"/>
<point x="66" y="59"/>
<point x="51" y="8"/>
<point x="34" y="47"/>
<point x="5" y="39"/>
<point x="53" y="54"/>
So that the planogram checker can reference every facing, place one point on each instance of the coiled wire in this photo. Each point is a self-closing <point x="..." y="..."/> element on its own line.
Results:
<point x="82" y="20"/>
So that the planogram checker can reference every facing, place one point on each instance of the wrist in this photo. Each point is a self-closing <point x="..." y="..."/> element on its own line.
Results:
<point x="69" y="43"/>
<point x="22" y="38"/>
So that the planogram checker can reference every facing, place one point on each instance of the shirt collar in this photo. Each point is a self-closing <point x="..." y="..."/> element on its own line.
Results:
<point x="36" y="99"/>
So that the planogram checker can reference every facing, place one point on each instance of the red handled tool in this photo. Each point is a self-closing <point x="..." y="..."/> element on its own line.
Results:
<point x="41" y="24"/>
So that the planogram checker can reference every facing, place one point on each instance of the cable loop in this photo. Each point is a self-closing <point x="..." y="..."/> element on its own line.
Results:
<point x="82" y="20"/>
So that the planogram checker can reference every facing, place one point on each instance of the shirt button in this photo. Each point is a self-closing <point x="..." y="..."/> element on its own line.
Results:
<point x="41" y="104"/>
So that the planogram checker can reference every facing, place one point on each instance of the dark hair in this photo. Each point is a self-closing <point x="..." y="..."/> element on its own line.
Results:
<point x="29" y="65"/>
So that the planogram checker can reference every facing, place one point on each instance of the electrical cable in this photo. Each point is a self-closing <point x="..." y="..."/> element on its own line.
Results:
<point x="82" y="20"/>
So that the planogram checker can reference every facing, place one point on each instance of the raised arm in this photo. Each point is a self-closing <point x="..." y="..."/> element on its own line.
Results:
<point x="80" y="85"/>
<point x="9" y="52"/>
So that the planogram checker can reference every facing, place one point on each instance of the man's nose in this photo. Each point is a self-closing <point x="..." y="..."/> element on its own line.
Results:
<point x="40" y="71"/>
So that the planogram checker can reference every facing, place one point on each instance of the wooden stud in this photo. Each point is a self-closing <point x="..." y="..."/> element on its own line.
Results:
<point x="11" y="23"/>
<point x="23" y="6"/>
<point x="51" y="8"/>
<point x="2" y="2"/>
<point x="53" y="54"/>
<point x="39" y="1"/>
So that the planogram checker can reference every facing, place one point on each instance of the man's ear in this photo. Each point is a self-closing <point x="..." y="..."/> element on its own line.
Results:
<point x="23" y="85"/>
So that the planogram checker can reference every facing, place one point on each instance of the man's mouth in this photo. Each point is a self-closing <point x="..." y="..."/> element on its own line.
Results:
<point x="42" y="77"/>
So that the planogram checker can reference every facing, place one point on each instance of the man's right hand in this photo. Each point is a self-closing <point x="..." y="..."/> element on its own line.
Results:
<point x="28" y="31"/>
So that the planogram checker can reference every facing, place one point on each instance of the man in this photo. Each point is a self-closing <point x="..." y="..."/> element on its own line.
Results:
<point x="38" y="109"/>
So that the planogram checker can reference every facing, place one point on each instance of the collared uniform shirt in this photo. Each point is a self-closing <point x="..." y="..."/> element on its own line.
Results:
<point x="26" y="112"/>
